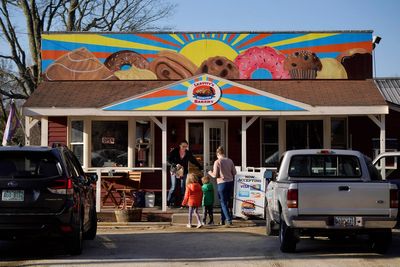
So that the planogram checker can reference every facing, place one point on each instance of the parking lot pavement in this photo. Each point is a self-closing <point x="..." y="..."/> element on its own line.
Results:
<point x="177" y="246"/>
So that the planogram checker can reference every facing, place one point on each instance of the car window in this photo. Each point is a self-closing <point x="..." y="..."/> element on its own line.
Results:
<point x="28" y="164"/>
<point x="75" y="166"/>
<point x="338" y="166"/>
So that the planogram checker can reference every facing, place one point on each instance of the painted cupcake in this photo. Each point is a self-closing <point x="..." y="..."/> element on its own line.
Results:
<point x="302" y="64"/>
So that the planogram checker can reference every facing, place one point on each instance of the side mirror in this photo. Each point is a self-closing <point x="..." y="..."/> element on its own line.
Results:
<point x="92" y="177"/>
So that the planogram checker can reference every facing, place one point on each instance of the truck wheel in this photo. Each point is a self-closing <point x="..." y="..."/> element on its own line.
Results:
<point x="380" y="241"/>
<point x="270" y="225"/>
<point x="286" y="237"/>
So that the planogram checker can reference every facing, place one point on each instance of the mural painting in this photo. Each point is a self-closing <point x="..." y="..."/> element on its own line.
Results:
<point x="232" y="56"/>
<point x="206" y="93"/>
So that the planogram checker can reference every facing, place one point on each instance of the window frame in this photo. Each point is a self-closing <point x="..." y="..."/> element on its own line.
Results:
<point x="87" y="139"/>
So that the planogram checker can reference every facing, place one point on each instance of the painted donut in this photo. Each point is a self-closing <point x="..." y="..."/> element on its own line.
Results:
<point x="261" y="63"/>
<point x="118" y="60"/>
<point x="219" y="66"/>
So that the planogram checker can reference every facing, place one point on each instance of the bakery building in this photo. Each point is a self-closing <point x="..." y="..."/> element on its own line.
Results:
<point x="121" y="101"/>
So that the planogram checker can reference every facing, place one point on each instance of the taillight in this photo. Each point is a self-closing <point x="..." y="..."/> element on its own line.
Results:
<point x="66" y="228"/>
<point x="61" y="186"/>
<point x="394" y="199"/>
<point x="292" y="198"/>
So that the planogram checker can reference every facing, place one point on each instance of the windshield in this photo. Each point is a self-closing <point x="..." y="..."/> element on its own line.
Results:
<point x="28" y="164"/>
<point x="332" y="166"/>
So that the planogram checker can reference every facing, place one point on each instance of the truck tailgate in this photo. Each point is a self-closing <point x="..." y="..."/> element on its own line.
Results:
<point x="343" y="198"/>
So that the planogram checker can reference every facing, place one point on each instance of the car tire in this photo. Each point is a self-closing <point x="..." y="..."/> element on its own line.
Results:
<point x="270" y="225"/>
<point x="76" y="239"/>
<point x="381" y="240"/>
<point x="287" y="237"/>
<point x="90" y="234"/>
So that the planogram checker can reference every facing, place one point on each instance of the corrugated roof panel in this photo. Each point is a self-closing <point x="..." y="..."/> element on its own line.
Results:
<point x="390" y="89"/>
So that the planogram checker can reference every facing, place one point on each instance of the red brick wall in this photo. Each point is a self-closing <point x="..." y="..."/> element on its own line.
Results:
<point x="57" y="132"/>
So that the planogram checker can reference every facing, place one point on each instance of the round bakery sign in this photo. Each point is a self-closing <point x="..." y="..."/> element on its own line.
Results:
<point x="204" y="93"/>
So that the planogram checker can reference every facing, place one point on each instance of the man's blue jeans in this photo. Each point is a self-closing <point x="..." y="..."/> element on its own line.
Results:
<point x="225" y="191"/>
<point x="174" y="181"/>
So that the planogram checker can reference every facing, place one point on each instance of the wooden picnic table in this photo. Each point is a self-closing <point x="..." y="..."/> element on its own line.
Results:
<point x="112" y="184"/>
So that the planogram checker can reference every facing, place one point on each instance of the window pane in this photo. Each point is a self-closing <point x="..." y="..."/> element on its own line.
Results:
<point x="77" y="131"/>
<point x="324" y="166"/>
<point x="78" y="151"/>
<point x="270" y="134"/>
<point x="304" y="134"/>
<point x="270" y="145"/>
<point x="143" y="143"/>
<point x="109" y="144"/>
<point x="196" y="132"/>
<point x="271" y="155"/>
<point x="338" y="134"/>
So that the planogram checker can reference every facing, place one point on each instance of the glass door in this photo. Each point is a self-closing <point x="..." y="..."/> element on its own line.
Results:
<point x="215" y="136"/>
<point x="204" y="137"/>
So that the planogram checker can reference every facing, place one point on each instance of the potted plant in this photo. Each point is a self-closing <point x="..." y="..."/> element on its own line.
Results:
<point x="127" y="213"/>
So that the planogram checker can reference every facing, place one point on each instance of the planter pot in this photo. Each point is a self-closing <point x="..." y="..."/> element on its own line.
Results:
<point x="128" y="215"/>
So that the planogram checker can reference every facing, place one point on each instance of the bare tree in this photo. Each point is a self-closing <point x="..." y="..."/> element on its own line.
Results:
<point x="114" y="15"/>
<point x="66" y="15"/>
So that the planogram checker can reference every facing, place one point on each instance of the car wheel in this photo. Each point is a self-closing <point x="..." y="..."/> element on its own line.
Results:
<point x="75" y="240"/>
<point x="270" y="225"/>
<point x="91" y="233"/>
<point x="381" y="240"/>
<point x="286" y="237"/>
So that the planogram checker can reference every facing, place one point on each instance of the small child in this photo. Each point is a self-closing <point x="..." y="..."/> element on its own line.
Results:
<point x="208" y="200"/>
<point x="193" y="196"/>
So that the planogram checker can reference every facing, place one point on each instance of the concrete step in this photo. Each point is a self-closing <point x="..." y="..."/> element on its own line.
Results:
<point x="175" y="216"/>
<point x="182" y="219"/>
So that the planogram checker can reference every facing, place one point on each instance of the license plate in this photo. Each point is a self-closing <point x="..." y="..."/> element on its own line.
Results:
<point x="345" y="221"/>
<point x="12" y="195"/>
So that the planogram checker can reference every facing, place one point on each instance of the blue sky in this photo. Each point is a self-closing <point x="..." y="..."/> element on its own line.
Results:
<point x="381" y="16"/>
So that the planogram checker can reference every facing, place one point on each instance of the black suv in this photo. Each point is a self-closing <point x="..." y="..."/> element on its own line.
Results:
<point x="45" y="192"/>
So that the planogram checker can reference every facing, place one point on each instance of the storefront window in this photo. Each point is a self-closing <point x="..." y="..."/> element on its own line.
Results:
<point x="270" y="143"/>
<point x="77" y="139"/>
<point x="304" y="134"/>
<point x="143" y="143"/>
<point x="109" y="144"/>
<point x="339" y="133"/>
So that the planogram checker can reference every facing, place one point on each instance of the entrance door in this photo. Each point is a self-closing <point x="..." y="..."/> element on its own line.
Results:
<point x="215" y="136"/>
<point x="204" y="137"/>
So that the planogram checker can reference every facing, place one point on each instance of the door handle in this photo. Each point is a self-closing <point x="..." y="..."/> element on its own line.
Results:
<point x="344" y="188"/>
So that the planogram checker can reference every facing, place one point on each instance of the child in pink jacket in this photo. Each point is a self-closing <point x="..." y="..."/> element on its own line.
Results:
<point x="193" y="197"/>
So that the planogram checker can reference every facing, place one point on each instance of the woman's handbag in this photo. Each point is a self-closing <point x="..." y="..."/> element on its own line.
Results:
<point x="177" y="170"/>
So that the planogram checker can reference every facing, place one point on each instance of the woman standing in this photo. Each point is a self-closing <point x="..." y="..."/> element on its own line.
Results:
<point x="178" y="160"/>
<point x="224" y="170"/>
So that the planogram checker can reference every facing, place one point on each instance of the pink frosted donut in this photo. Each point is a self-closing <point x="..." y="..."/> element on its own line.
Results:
<point x="261" y="58"/>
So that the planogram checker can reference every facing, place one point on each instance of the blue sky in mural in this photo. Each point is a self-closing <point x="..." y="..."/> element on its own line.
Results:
<point x="381" y="16"/>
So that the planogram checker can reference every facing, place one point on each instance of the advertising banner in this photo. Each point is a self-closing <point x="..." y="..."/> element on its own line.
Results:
<point x="249" y="196"/>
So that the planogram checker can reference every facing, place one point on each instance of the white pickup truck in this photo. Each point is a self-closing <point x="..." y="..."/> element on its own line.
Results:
<point x="330" y="193"/>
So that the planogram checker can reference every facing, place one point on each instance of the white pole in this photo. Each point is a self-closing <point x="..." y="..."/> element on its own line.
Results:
<point x="44" y="140"/>
<point x="164" y="163"/>
<point x="383" y="145"/>
<point x="244" y="144"/>
<point x="98" y="190"/>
